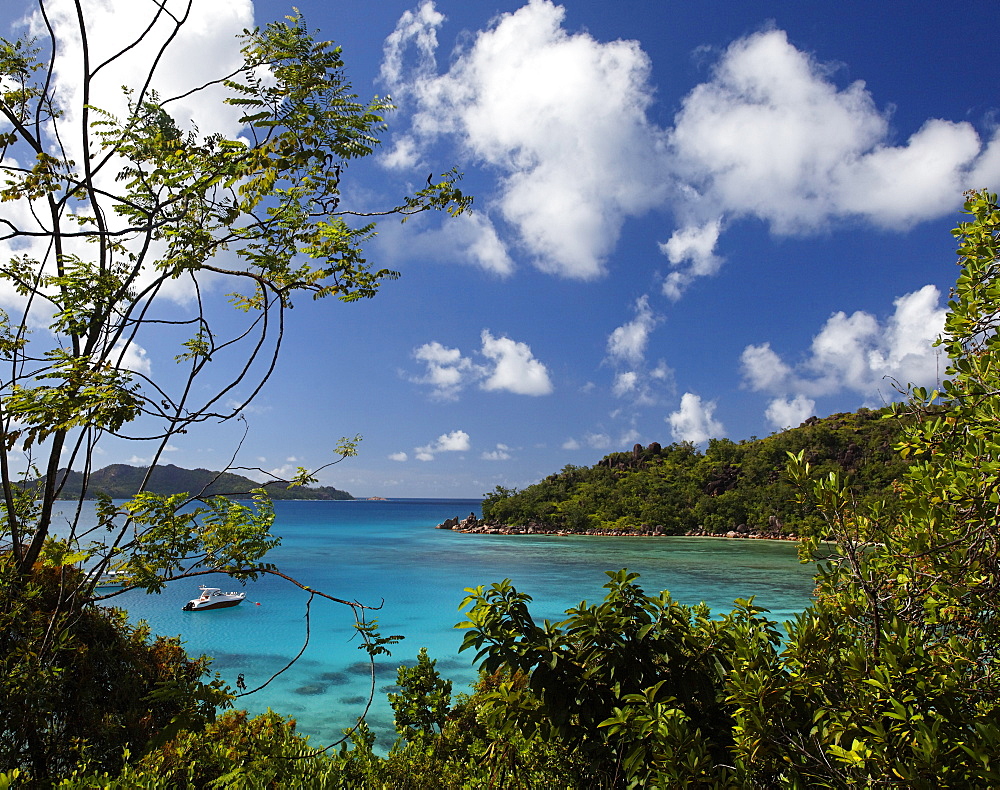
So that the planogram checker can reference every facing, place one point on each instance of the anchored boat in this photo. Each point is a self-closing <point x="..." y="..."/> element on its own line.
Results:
<point x="110" y="580"/>
<point x="213" y="598"/>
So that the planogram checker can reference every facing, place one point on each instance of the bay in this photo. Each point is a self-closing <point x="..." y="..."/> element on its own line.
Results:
<point x="388" y="553"/>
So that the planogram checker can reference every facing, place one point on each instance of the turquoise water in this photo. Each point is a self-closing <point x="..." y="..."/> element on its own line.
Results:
<point x="375" y="551"/>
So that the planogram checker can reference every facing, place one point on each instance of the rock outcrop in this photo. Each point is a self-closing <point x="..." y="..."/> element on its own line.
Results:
<point x="475" y="526"/>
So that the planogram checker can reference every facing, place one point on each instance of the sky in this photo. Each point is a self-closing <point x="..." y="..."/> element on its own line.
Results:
<point x="691" y="221"/>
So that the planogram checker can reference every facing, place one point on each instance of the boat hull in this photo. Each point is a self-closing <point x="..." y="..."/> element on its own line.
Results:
<point x="192" y="607"/>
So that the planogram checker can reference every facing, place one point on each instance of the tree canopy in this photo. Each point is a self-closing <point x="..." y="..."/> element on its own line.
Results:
<point x="675" y="489"/>
<point x="113" y="213"/>
<point x="125" y="225"/>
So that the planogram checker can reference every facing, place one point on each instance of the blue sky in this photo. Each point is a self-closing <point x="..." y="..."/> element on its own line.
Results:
<point x="691" y="220"/>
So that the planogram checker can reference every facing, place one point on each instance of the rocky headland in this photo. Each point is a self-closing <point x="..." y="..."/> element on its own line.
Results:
<point x="477" y="526"/>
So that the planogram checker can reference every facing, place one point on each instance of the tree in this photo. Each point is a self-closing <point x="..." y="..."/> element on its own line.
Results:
<point x="109" y="212"/>
<point x="421" y="706"/>
<point x="891" y="678"/>
<point x="83" y="685"/>
<point x="114" y="211"/>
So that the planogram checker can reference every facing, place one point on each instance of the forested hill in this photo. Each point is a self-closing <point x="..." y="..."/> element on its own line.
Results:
<point x="121" y="481"/>
<point x="739" y="486"/>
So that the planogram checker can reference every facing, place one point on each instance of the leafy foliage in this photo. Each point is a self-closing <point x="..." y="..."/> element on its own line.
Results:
<point x="421" y="707"/>
<point x="81" y="684"/>
<point x="132" y="206"/>
<point x="890" y="678"/>
<point x="677" y="489"/>
<point x="583" y="676"/>
<point x="110" y="214"/>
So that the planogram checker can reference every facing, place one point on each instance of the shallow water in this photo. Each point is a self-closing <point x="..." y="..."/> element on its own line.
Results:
<point x="389" y="551"/>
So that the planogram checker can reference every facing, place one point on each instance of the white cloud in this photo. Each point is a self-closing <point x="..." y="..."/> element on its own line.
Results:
<point x="284" y="472"/>
<point x="628" y="342"/>
<point x="661" y="372"/>
<point x="456" y="441"/>
<point x="515" y="370"/>
<point x="501" y="453"/>
<point x="418" y="27"/>
<point x="131" y="356"/>
<point x="598" y="441"/>
<point x="693" y="421"/>
<point x="468" y="238"/>
<point x="206" y="46"/>
<point x="448" y="372"/>
<point x="771" y="136"/>
<point x="625" y="383"/>
<point x="400" y="456"/>
<point x="403" y="154"/>
<point x="510" y="366"/>
<point x="783" y="413"/>
<point x="626" y="351"/>
<point x="694" y="245"/>
<point x="571" y="444"/>
<point x="237" y="405"/>
<point x="854" y="352"/>
<point x="763" y="369"/>
<point x="561" y="116"/>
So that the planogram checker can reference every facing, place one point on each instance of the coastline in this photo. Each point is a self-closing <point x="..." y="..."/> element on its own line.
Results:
<point x="475" y="526"/>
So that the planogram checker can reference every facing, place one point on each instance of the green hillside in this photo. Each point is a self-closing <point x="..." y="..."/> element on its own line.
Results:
<point x="121" y="481"/>
<point x="739" y="486"/>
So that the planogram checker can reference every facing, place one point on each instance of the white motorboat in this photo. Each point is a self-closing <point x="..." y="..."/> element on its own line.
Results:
<point x="110" y="580"/>
<point x="213" y="598"/>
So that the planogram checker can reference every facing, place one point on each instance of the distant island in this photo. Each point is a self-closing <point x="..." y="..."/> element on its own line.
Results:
<point x="122" y="481"/>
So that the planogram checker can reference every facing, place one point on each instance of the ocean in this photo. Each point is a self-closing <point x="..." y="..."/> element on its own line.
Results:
<point x="388" y="553"/>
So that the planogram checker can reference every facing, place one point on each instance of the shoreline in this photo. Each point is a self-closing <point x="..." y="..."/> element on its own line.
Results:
<point x="474" y="526"/>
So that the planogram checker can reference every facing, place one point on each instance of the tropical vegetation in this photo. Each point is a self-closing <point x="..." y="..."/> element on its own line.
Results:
<point x="742" y="486"/>
<point x="890" y="678"/>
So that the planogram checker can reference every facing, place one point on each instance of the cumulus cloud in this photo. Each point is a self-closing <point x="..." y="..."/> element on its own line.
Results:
<point x="468" y="238"/>
<point x="501" y="453"/>
<point x="400" y="456"/>
<point x="598" y="441"/>
<point x="419" y="29"/>
<point x="403" y="154"/>
<point x="205" y="45"/>
<point x="772" y="136"/>
<point x="857" y="353"/>
<point x="561" y="116"/>
<point x="510" y="365"/>
<point x="515" y="369"/>
<point x="693" y="421"/>
<point x="563" y="119"/>
<point x="448" y="372"/>
<point x="123" y="36"/>
<point x="628" y="342"/>
<point x="626" y="351"/>
<point x="454" y="442"/>
<point x="783" y="413"/>
<point x="693" y="245"/>
<point x="132" y="356"/>
<point x="625" y="383"/>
